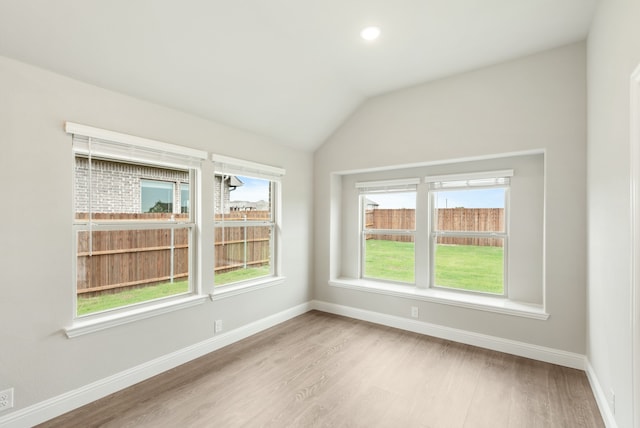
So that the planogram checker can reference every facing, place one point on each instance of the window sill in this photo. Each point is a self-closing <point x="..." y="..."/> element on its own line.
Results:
<point x="465" y="300"/>
<point x="224" y="291"/>
<point x="104" y="321"/>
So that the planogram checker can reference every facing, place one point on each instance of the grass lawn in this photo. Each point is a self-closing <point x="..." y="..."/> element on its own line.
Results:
<point x="465" y="267"/>
<point x="89" y="305"/>
<point x="241" y="274"/>
<point x="390" y="260"/>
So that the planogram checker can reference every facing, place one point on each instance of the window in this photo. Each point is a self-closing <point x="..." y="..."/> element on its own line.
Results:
<point x="130" y="247"/>
<point x="157" y="196"/>
<point x="388" y="227"/>
<point x="246" y="220"/>
<point x="468" y="233"/>
<point x="472" y="236"/>
<point x="184" y="198"/>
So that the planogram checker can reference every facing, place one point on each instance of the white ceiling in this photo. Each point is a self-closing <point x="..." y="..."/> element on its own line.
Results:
<point x="288" y="69"/>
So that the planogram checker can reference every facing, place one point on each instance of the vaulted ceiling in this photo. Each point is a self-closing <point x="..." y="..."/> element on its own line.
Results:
<point x="292" y="70"/>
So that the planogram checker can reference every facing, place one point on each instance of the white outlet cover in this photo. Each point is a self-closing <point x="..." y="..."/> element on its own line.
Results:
<point x="6" y="399"/>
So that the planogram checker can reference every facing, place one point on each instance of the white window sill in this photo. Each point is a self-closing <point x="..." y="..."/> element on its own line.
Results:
<point x="224" y="291"/>
<point x="106" y="320"/>
<point x="499" y="305"/>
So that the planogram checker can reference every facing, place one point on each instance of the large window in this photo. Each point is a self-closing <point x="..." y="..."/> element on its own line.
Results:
<point x="246" y="220"/>
<point x="468" y="234"/>
<point x="388" y="225"/>
<point x="130" y="247"/>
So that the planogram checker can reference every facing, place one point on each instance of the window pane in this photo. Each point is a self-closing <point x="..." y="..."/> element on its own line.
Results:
<point x="125" y="191"/>
<point x="157" y="196"/>
<point x="475" y="264"/>
<point x="389" y="257"/>
<point x="184" y="198"/>
<point x="117" y="268"/>
<point x="242" y="253"/>
<point x="471" y="210"/>
<point x="395" y="211"/>
<point x="239" y="198"/>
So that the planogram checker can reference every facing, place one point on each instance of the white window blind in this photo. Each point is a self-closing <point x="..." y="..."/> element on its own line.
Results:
<point x="398" y="185"/>
<point x="113" y="145"/>
<point x="230" y="166"/>
<point x="476" y="179"/>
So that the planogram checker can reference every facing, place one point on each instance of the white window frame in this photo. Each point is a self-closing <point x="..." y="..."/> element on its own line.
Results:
<point x="461" y="182"/>
<point x="369" y="188"/>
<point x="224" y="165"/>
<point x="526" y="286"/>
<point x="117" y="147"/>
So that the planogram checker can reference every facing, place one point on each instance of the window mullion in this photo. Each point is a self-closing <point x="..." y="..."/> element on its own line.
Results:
<point x="422" y="237"/>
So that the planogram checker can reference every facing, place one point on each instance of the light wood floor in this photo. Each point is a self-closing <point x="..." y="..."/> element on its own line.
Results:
<point x="321" y="370"/>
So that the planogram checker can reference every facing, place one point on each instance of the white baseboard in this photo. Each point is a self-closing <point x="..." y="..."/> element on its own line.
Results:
<point x="541" y="353"/>
<point x="61" y="404"/>
<point x="66" y="402"/>
<point x="601" y="398"/>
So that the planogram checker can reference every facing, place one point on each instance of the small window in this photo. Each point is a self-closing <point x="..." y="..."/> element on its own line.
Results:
<point x="157" y="196"/>
<point x="130" y="248"/>
<point x="388" y="227"/>
<point x="184" y="198"/>
<point x="246" y="201"/>
<point x="469" y="233"/>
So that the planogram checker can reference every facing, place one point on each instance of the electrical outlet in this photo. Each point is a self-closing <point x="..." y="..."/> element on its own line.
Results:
<point x="414" y="311"/>
<point x="6" y="399"/>
<point x="612" y="401"/>
<point x="218" y="326"/>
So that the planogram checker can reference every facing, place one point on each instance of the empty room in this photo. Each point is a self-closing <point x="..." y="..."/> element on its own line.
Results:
<point x="416" y="213"/>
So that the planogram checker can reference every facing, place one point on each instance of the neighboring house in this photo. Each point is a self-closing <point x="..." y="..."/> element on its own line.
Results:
<point x="370" y="205"/>
<point x="249" y="206"/>
<point x="134" y="188"/>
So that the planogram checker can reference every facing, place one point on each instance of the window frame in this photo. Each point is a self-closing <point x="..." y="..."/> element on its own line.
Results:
<point x="368" y="188"/>
<point x="224" y="165"/>
<point x="527" y="234"/>
<point x="434" y="233"/>
<point x="122" y="148"/>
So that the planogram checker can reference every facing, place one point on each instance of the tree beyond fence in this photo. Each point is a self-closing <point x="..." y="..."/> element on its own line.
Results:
<point x="449" y="219"/>
<point x="122" y="259"/>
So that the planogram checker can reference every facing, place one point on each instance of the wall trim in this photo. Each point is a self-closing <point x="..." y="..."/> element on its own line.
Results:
<point x="71" y="400"/>
<point x="540" y="353"/>
<point x="601" y="397"/>
<point x="634" y="144"/>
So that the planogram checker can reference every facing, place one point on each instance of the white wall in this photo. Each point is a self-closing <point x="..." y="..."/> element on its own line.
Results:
<point x="613" y="53"/>
<point x="36" y="284"/>
<point x="537" y="102"/>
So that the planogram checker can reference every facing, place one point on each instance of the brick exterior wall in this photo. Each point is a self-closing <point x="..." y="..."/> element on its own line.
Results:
<point x="117" y="188"/>
<point x="116" y="185"/>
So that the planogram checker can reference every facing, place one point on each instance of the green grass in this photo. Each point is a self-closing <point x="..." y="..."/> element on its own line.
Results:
<point x="464" y="267"/>
<point x="93" y="304"/>
<point x="470" y="267"/>
<point x="390" y="260"/>
<point x="89" y="305"/>
<point x="241" y="275"/>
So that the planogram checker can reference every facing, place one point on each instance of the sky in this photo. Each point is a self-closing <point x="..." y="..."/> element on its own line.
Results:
<point x="467" y="198"/>
<point x="253" y="190"/>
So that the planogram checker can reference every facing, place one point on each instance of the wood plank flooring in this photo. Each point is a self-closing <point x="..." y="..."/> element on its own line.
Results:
<point x="322" y="370"/>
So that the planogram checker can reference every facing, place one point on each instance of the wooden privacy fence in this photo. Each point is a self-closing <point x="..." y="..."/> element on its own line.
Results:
<point x="242" y="246"/>
<point x="449" y="219"/>
<point x="122" y="259"/>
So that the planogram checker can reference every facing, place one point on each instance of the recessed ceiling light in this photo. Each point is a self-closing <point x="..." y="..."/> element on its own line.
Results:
<point x="370" y="33"/>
